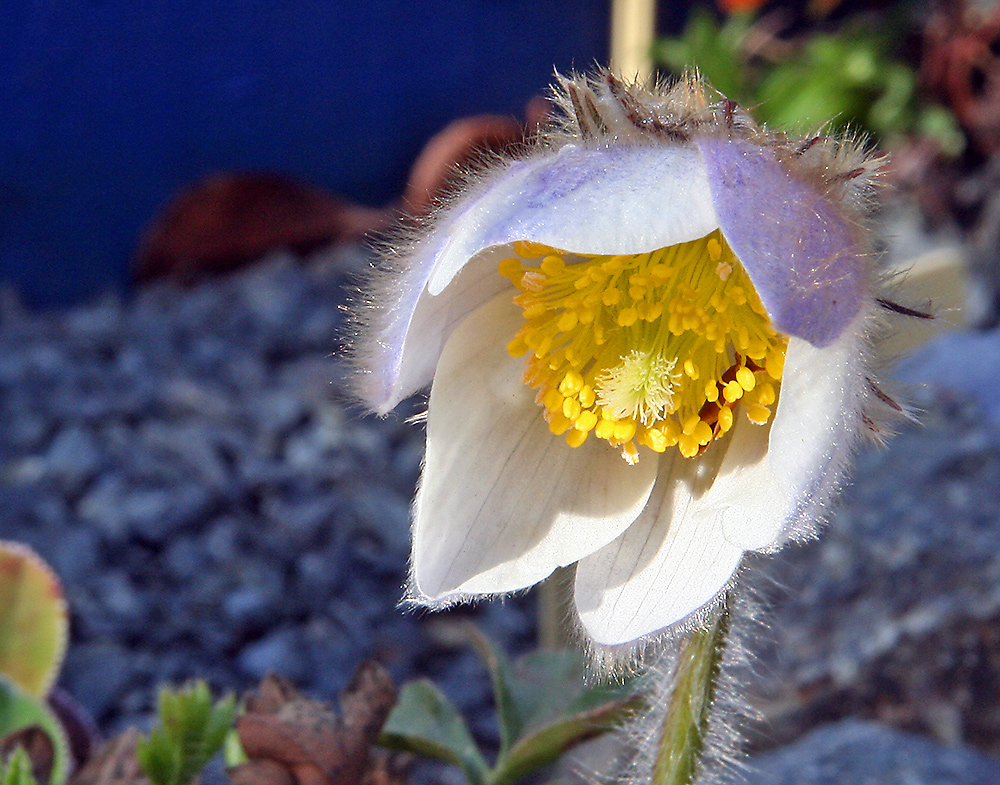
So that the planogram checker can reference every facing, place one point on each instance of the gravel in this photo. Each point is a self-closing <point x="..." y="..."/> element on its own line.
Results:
<point x="188" y="463"/>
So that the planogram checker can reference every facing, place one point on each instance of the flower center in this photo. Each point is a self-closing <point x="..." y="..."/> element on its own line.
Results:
<point x="655" y="349"/>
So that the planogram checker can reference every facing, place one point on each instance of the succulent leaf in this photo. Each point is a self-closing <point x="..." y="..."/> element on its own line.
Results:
<point x="33" y="620"/>
<point x="18" y="710"/>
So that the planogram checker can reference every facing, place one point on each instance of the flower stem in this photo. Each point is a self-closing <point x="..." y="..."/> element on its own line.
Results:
<point x="555" y="610"/>
<point x="682" y="735"/>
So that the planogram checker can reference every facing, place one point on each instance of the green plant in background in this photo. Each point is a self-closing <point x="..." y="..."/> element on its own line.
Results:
<point x="17" y="770"/>
<point x="191" y="730"/>
<point x="544" y="707"/>
<point x="33" y="633"/>
<point x="851" y="78"/>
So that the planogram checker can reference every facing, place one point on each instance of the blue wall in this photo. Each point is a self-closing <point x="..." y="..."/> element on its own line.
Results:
<point x="107" y="107"/>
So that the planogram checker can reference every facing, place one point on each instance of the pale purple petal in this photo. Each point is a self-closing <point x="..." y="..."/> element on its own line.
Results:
<point x="502" y="501"/>
<point x="804" y="257"/>
<point x="604" y="200"/>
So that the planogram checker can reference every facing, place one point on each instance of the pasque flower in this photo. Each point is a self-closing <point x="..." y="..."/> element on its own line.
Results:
<point x="646" y="340"/>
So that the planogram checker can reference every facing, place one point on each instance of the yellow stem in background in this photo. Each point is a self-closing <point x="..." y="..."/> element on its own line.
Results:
<point x="633" y="29"/>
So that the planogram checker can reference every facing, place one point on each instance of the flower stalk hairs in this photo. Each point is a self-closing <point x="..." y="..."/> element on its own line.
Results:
<point x="647" y="345"/>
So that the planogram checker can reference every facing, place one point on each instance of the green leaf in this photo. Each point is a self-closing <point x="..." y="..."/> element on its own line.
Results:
<point x="18" y="710"/>
<point x="33" y="620"/>
<point x="232" y="750"/>
<point x="545" y="706"/>
<point x="425" y="722"/>
<point x="714" y="49"/>
<point x="191" y="731"/>
<point x="509" y="713"/>
<point x="550" y="741"/>
<point x="18" y="769"/>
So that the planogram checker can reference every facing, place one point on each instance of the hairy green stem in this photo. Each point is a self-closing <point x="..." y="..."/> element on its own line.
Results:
<point x="682" y="736"/>
<point x="555" y="610"/>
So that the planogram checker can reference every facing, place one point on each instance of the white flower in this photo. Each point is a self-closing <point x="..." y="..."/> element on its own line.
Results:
<point x="647" y="347"/>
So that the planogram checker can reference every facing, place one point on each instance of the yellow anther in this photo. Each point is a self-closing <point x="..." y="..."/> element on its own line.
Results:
<point x="691" y="370"/>
<point x="529" y="250"/>
<point x="553" y="400"/>
<point x="661" y="271"/>
<point x="732" y="392"/>
<point x="655" y="440"/>
<point x="568" y="321"/>
<point x="624" y="430"/>
<point x="517" y="347"/>
<point x="688" y="445"/>
<point x="756" y="349"/>
<point x="586" y="421"/>
<point x="653" y="312"/>
<point x="510" y="268"/>
<point x="712" y="391"/>
<point x="613" y="265"/>
<point x="534" y="310"/>
<point x="611" y="297"/>
<point x="571" y="408"/>
<point x="703" y="433"/>
<point x="559" y="424"/>
<point x="571" y="384"/>
<point x="690" y="424"/>
<point x="725" y="421"/>
<point x="605" y="429"/>
<point x="714" y="249"/>
<point x="597" y="274"/>
<point x="575" y="438"/>
<point x="746" y="378"/>
<point x="758" y="414"/>
<point x="775" y="365"/>
<point x="627" y="317"/>
<point x="552" y="265"/>
<point x="766" y="394"/>
<point x="586" y="396"/>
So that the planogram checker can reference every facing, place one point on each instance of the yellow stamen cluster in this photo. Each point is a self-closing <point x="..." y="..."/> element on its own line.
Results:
<point x="655" y="349"/>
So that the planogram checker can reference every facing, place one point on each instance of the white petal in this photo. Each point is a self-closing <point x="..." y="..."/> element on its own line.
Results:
<point x="608" y="200"/>
<point x="411" y="341"/>
<point x="817" y="421"/>
<point x="806" y="446"/>
<point x="752" y="503"/>
<point x="502" y="501"/>
<point x="669" y="563"/>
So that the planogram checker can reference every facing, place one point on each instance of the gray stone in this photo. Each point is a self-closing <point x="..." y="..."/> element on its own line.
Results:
<point x="73" y="458"/>
<point x="863" y="753"/>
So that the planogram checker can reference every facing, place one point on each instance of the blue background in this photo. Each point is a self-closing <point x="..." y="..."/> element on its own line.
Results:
<point x="108" y="107"/>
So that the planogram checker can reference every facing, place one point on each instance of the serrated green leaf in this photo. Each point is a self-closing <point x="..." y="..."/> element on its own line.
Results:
<point x="18" y="769"/>
<point x="550" y="741"/>
<point x="190" y="731"/>
<point x="33" y="620"/>
<point x="18" y="710"/>
<point x="425" y="722"/>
